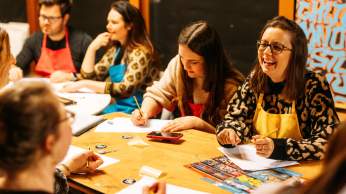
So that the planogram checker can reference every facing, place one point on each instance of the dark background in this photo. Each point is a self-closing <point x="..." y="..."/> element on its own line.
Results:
<point x="237" y="21"/>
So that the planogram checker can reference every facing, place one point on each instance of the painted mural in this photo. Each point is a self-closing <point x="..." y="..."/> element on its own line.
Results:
<point x="324" y="23"/>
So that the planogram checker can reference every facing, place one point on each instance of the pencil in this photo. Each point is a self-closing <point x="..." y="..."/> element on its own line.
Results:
<point x="139" y="108"/>
<point x="87" y="162"/>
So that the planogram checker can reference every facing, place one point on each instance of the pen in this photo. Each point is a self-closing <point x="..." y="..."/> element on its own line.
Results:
<point x="139" y="108"/>
<point x="66" y="101"/>
<point x="87" y="162"/>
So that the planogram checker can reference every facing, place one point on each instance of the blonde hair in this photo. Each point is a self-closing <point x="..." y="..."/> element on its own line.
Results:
<point x="5" y="57"/>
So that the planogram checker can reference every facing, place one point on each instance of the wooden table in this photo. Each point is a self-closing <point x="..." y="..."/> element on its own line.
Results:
<point x="169" y="158"/>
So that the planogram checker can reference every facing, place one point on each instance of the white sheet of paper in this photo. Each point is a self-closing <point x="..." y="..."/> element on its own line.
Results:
<point x="148" y="181"/>
<point x="246" y="158"/>
<point x="84" y="122"/>
<point x="87" y="103"/>
<point x="124" y="124"/>
<point x="74" y="150"/>
<point x="58" y="86"/>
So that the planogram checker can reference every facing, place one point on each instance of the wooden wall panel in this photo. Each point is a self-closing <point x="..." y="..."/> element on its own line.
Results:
<point x="32" y="13"/>
<point x="287" y="8"/>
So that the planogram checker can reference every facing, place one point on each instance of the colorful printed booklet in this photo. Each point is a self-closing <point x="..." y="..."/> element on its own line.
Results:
<point x="225" y="174"/>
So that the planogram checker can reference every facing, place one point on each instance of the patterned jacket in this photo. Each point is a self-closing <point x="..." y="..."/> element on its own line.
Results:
<point x="316" y="116"/>
<point x="139" y="72"/>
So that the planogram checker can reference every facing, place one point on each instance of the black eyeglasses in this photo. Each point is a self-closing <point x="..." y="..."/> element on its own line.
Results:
<point x="275" y="48"/>
<point x="50" y="19"/>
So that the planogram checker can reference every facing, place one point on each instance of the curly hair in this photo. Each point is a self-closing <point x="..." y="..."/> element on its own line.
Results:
<point x="29" y="112"/>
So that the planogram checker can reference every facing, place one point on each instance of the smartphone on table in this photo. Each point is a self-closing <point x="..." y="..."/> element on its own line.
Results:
<point x="159" y="135"/>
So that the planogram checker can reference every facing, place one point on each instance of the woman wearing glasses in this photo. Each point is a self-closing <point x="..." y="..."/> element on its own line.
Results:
<point x="287" y="110"/>
<point x="36" y="139"/>
<point x="199" y="81"/>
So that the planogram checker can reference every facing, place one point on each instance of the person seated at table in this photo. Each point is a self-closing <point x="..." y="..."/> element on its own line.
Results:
<point x="281" y="99"/>
<point x="34" y="141"/>
<point x="58" y="49"/>
<point x="331" y="180"/>
<point x="35" y="134"/>
<point x="200" y="80"/>
<point x="6" y="58"/>
<point x="129" y="64"/>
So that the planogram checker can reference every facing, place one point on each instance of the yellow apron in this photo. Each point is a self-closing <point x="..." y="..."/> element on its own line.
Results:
<point x="287" y="124"/>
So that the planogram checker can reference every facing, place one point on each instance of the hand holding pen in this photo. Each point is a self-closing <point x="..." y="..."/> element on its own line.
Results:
<point x="86" y="162"/>
<point x="264" y="144"/>
<point x="138" y="117"/>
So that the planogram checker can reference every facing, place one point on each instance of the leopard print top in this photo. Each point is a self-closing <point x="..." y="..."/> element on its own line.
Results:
<point x="139" y="72"/>
<point x="316" y="116"/>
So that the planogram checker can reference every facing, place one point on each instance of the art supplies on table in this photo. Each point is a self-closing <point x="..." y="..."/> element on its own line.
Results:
<point x="227" y="175"/>
<point x="246" y="158"/>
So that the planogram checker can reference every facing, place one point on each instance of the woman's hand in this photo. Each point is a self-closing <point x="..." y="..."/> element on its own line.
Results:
<point x="86" y="162"/>
<point x="15" y="73"/>
<point x="264" y="146"/>
<point x="60" y="76"/>
<point x="156" y="188"/>
<point x="73" y="87"/>
<point x="139" y="119"/>
<point x="184" y="123"/>
<point x="228" y="136"/>
<point x="101" y="40"/>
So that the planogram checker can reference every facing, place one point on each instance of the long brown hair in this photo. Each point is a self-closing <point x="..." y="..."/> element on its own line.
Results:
<point x="333" y="176"/>
<point x="295" y="81"/>
<point x="202" y="39"/>
<point x="5" y="57"/>
<point x="137" y="35"/>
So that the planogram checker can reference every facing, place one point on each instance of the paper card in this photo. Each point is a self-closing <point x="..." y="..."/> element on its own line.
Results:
<point x="148" y="181"/>
<point x="124" y="124"/>
<point x="74" y="150"/>
<point x="246" y="158"/>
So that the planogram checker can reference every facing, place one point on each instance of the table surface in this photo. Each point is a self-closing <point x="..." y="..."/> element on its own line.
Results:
<point x="169" y="158"/>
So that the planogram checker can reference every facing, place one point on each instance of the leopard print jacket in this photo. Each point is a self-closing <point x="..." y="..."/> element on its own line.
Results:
<point x="316" y="116"/>
<point x="139" y="74"/>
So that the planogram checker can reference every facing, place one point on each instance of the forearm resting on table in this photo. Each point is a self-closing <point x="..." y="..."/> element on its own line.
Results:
<point x="96" y="86"/>
<point x="205" y="126"/>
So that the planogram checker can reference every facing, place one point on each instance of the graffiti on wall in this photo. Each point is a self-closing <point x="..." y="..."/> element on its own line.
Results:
<point x="324" y="23"/>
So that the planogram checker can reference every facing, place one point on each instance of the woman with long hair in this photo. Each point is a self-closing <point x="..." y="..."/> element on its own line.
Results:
<point x="199" y="81"/>
<point x="129" y="64"/>
<point x="281" y="99"/>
